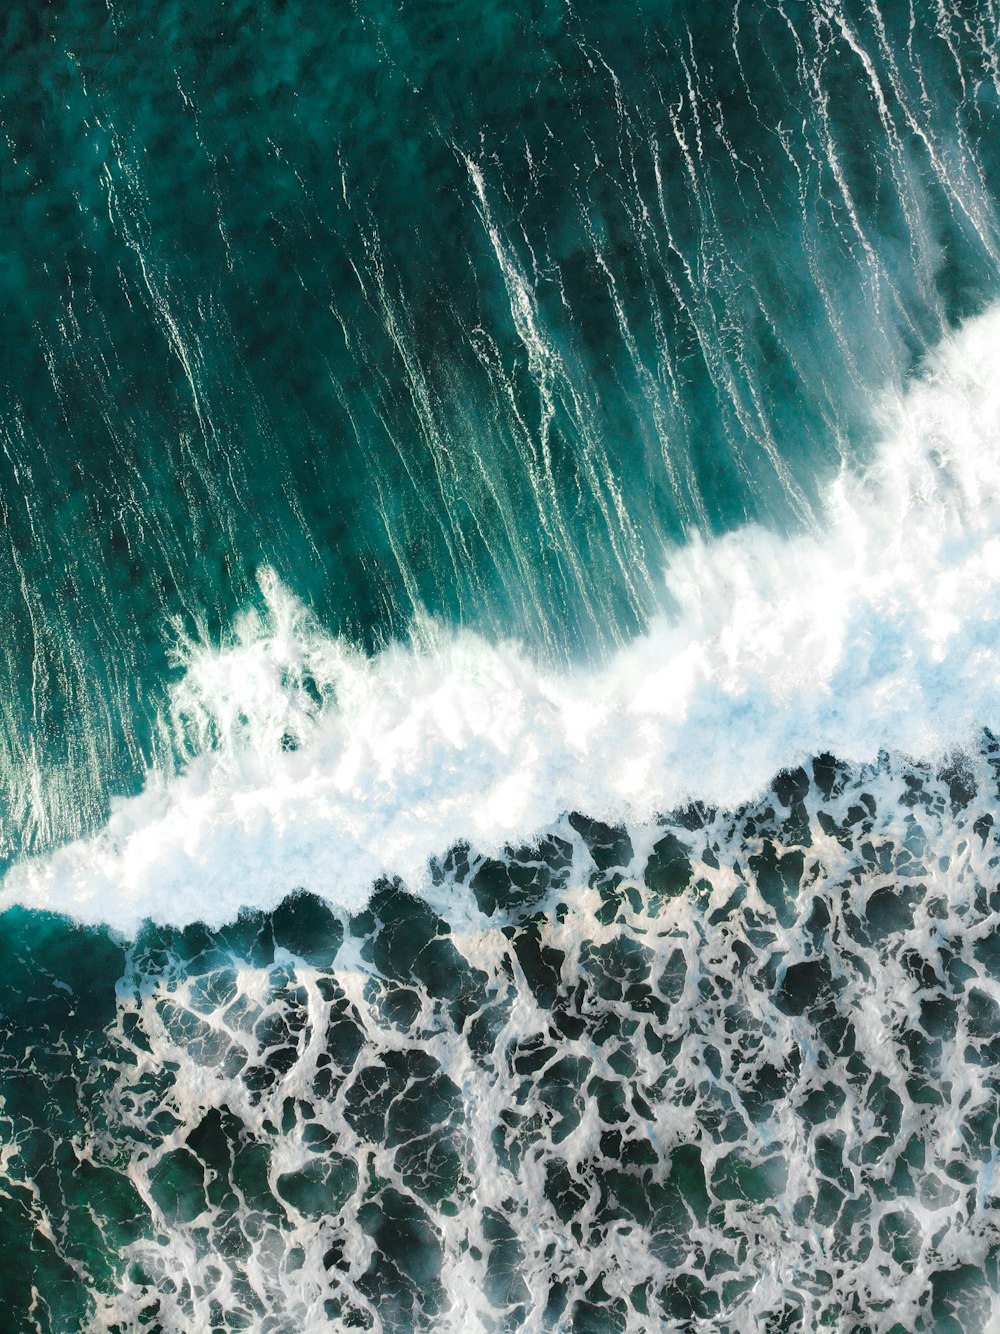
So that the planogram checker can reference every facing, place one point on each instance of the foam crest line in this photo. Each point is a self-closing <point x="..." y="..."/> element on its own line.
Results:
<point x="307" y="764"/>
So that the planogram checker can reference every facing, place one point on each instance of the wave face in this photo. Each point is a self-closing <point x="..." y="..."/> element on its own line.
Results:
<point x="500" y="568"/>
<point x="308" y="765"/>
<point x="334" y="300"/>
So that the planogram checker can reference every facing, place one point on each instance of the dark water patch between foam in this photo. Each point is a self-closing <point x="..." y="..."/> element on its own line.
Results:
<point x="735" y="1068"/>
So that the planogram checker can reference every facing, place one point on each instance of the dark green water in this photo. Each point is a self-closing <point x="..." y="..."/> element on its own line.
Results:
<point x="485" y="313"/>
<point x="257" y="311"/>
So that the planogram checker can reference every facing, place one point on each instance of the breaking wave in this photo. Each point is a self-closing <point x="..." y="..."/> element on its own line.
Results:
<point x="294" y="761"/>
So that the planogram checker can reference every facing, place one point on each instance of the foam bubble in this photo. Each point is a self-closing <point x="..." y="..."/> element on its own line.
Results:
<point x="309" y="765"/>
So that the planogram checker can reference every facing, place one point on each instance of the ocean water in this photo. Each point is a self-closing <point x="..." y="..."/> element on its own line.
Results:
<point x="500" y="666"/>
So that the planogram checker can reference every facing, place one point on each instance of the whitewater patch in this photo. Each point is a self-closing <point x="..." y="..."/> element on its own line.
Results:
<point x="303" y="763"/>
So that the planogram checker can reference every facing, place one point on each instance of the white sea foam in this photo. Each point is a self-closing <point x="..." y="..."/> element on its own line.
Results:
<point x="882" y="633"/>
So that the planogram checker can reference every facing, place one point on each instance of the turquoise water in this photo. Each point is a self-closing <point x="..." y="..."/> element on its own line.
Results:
<point x="498" y="569"/>
<point x="259" y="311"/>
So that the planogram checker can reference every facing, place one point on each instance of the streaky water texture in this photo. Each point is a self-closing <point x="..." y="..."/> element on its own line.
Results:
<point x="465" y="308"/>
<point x="452" y="457"/>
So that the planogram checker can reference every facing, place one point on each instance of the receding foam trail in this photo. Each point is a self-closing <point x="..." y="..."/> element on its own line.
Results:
<point x="312" y="766"/>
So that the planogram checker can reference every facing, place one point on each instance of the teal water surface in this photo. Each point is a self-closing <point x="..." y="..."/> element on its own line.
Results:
<point x="471" y="308"/>
<point x="484" y="312"/>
